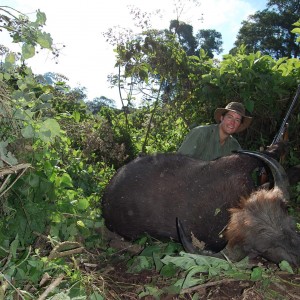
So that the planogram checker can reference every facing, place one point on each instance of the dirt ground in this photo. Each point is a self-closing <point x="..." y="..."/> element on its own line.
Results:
<point x="117" y="283"/>
<point x="123" y="285"/>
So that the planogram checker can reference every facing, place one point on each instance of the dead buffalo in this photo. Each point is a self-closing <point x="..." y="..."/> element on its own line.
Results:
<point x="150" y="193"/>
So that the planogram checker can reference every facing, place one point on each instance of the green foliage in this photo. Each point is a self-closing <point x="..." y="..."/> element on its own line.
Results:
<point x="270" y="31"/>
<point x="26" y="32"/>
<point x="185" y="271"/>
<point x="262" y="84"/>
<point x="30" y="267"/>
<point x="58" y="197"/>
<point x="151" y="257"/>
<point x="265" y="85"/>
<point x="184" y="32"/>
<point x="285" y="266"/>
<point x="74" y="148"/>
<point x="297" y="30"/>
<point x="210" y="41"/>
<point x="207" y="40"/>
<point x="96" y="104"/>
<point x="199" y="269"/>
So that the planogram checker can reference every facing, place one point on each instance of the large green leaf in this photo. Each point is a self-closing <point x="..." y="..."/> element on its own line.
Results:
<point x="285" y="266"/>
<point x="40" y="18"/>
<point x="28" y="51"/>
<point x="44" y="40"/>
<point x="10" y="58"/>
<point x="49" y="130"/>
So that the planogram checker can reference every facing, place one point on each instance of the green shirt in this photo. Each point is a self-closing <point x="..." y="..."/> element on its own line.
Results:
<point x="203" y="142"/>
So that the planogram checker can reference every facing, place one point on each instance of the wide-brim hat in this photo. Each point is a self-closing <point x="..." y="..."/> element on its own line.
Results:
<point x="237" y="108"/>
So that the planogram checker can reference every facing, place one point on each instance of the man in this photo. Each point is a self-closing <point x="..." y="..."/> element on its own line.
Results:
<point x="212" y="141"/>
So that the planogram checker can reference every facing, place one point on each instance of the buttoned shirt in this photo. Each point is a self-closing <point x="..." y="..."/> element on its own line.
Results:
<point x="203" y="142"/>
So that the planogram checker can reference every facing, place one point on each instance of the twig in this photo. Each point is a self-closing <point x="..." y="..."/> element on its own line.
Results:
<point x="13" y="169"/>
<point x="285" y="290"/>
<point x="65" y="253"/>
<point x="52" y="286"/>
<point x="28" y="253"/>
<point x="5" y="183"/>
<point x="22" y="167"/>
<point x="5" y="286"/>
<point x="58" y="251"/>
<point x="7" y="262"/>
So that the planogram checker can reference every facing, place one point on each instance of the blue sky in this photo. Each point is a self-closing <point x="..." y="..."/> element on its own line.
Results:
<point x="87" y="58"/>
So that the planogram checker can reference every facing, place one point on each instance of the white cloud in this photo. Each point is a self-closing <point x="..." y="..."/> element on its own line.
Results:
<point x="87" y="59"/>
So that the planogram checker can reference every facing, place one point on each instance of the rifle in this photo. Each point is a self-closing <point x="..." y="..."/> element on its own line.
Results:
<point x="280" y="134"/>
<point x="282" y="128"/>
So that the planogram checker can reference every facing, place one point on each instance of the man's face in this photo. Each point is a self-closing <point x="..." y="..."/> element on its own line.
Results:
<point x="230" y="122"/>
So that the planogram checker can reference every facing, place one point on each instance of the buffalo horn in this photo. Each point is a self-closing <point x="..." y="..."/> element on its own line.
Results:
<point x="188" y="245"/>
<point x="278" y="172"/>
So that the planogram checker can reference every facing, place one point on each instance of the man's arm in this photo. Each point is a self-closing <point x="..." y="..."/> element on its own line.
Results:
<point x="189" y="145"/>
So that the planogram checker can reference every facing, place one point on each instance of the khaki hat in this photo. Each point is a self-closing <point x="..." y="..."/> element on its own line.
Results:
<point x="237" y="108"/>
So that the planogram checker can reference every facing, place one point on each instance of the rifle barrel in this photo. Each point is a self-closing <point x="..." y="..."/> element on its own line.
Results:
<point x="281" y="130"/>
